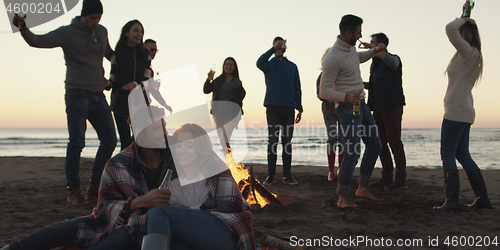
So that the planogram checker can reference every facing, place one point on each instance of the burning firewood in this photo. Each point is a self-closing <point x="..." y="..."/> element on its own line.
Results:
<point x="251" y="189"/>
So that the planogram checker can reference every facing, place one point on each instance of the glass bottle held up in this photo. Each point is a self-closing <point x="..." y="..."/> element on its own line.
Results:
<point x="212" y="72"/>
<point x="468" y="10"/>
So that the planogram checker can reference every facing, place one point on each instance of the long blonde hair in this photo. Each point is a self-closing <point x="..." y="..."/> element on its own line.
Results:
<point x="470" y="33"/>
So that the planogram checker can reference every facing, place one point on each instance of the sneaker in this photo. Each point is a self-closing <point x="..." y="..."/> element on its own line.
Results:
<point x="289" y="180"/>
<point x="381" y="183"/>
<point x="269" y="180"/>
<point x="397" y="185"/>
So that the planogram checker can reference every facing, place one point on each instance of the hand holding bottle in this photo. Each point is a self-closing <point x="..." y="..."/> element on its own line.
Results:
<point x="467" y="8"/>
<point x="211" y="73"/>
<point x="18" y="21"/>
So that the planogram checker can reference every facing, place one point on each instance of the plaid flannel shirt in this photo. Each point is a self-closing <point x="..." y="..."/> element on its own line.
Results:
<point x="124" y="178"/>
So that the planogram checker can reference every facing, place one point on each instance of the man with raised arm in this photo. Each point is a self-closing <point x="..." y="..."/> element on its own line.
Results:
<point x="283" y="96"/>
<point x="84" y="43"/>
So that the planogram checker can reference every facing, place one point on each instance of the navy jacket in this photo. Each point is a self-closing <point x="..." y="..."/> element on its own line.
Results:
<point x="385" y="87"/>
<point x="282" y="81"/>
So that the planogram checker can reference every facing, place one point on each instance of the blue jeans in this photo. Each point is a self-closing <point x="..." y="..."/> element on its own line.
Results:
<point x="124" y="131"/>
<point x="190" y="229"/>
<point x="455" y="144"/>
<point x="63" y="233"/>
<point x="279" y="119"/>
<point x="83" y="105"/>
<point x="355" y="128"/>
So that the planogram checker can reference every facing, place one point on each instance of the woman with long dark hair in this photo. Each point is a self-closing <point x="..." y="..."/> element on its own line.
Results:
<point x="206" y="209"/>
<point x="129" y="66"/>
<point x="464" y="71"/>
<point x="227" y="100"/>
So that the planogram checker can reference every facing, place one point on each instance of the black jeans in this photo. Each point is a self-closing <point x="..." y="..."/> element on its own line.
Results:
<point x="279" y="119"/>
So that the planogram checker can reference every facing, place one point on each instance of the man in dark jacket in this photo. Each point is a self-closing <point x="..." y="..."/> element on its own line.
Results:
<point x="386" y="100"/>
<point x="283" y="96"/>
<point x="84" y="43"/>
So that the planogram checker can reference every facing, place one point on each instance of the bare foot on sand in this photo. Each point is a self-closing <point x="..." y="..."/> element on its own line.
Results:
<point x="365" y="193"/>
<point x="344" y="202"/>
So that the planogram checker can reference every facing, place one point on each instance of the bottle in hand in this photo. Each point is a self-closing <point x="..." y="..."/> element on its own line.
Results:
<point x="211" y="73"/>
<point x="355" y="108"/>
<point x="468" y="10"/>
<point x="166" y="180"/>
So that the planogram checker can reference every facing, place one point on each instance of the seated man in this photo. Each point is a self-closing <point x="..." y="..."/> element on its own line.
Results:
<point x="129" y="188"/>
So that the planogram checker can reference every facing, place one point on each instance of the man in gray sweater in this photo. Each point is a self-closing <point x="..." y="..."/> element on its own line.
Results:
<point x="84" y="43"/>
<point x="341" y="83"/>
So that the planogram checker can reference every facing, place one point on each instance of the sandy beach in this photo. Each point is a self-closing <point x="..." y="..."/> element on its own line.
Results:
<point x="33" y="195"/>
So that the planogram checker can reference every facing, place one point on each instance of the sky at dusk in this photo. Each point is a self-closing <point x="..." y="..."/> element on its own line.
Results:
<point x="204" y="33"/>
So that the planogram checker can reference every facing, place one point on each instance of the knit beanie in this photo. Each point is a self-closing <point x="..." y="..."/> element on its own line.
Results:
<point x="91" y="7"/>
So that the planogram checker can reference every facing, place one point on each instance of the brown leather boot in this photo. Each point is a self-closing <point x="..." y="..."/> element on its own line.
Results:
<point x="75" y="198"/>
<point x="93" y="190"/>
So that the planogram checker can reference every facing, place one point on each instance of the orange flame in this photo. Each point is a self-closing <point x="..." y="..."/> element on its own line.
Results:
<point x="241" y="175"/>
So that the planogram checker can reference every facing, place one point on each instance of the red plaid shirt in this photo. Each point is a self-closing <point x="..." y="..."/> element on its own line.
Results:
<point x="124" y="178"/>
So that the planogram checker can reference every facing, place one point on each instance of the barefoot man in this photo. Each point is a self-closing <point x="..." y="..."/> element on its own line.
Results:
<point x="341" y="83"/>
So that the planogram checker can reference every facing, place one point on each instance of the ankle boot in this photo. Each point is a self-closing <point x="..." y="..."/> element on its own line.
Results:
<point x="331" y="165"/>
<point x="75" y="198"/>
<point x="155" y="242"/>
<point x="451" y="189"/>
<point x="479" y="187"/>
<point x="93" y="190"/>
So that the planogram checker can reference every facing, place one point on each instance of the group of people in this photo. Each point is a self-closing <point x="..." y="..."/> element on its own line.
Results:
<point x="209" y="212"/>
<point x="340" y="87"/>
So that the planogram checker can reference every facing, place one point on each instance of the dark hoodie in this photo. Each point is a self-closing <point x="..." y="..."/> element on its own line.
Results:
<point x="83" y="53"/>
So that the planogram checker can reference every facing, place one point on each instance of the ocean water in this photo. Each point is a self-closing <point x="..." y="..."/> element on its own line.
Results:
<point x="250" y="145"/>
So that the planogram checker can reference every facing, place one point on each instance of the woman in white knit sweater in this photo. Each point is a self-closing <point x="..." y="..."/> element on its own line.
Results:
<point x="464" y="71"/>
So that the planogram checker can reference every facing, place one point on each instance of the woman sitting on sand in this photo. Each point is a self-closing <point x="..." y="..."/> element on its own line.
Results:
<point x="206" y="209"/>
<point x="464" y="71"/>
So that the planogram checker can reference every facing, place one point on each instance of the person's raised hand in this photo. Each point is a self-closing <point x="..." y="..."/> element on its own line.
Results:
<point x="278" y="45"/>
<point x="19" y="22"/>
<point x="469" y="20"/>
<point x="363" y="45"/>
<point x="380" y="47"/>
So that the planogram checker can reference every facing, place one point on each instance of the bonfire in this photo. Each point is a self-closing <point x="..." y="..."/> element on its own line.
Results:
<point x="252" y="190"/>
